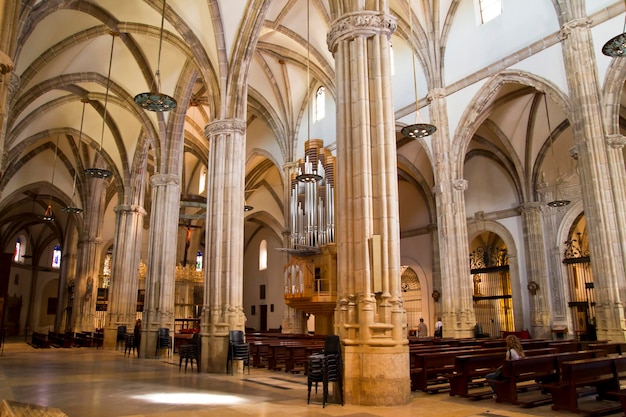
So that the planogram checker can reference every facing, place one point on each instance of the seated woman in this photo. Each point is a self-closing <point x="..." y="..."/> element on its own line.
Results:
<point x="514" y="351"/>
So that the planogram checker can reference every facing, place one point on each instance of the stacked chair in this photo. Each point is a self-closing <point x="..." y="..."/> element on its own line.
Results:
<point x="121" y="336"/>
<point x="238" y="349"/>
<point x="325" y="367"/>
<point x="190" y="352"/>
<point x="164" y="341"/>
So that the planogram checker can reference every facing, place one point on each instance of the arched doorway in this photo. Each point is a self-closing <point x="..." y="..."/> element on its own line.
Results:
<point x="412" y="296"/>
<point x="580" y="278"/>
<point x="492" y="296"/>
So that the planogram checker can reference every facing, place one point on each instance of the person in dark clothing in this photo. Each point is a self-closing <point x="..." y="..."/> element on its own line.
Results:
<point x="137" y="333"/>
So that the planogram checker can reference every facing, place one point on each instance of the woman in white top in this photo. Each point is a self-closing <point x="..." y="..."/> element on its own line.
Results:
<point x="514" y="351"/>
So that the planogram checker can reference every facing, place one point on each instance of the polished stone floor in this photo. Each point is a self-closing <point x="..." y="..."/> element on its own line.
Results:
<point x="86" y="382"/>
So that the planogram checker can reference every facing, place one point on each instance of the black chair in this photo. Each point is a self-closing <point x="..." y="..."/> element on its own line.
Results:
<point x="190" y="352"/>
<point x="326" y="367"/>
<point x="130" y="345"/>
<point x="121" y="336"/>
<point x="238" y="349"/>
<point x="315" y="372"/>
<point x="164" y="341"/>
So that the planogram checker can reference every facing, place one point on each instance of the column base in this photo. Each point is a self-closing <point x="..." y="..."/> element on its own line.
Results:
<point x="376" y="376"/>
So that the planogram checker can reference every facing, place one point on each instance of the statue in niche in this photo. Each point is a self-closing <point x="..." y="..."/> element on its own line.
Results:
<point x="477" y="282"/>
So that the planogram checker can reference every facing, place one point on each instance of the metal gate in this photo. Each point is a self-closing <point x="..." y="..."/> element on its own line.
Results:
<point x="581" y="289"/>
<point x="493" y="302"/>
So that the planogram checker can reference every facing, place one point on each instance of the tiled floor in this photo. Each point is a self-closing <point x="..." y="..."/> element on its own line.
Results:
<point x="85" y="382"/>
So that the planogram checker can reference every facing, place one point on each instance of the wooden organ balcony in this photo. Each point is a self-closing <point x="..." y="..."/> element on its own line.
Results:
<point x="310" y="280"/>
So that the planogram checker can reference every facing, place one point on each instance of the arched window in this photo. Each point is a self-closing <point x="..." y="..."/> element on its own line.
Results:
<point x="56" y="256"/>
<point x="202" y="183"/>
<point x="17" y="252"/>
<point x="263" y="255"/>
<point x="489" y="9"/>
<point x="320" y="104"/>
<point x="199" y="261"/>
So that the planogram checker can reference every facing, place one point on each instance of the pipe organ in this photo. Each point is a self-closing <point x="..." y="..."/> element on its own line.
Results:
<point x="312" y="197"/>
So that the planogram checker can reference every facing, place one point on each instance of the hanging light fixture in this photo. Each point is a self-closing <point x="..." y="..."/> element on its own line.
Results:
<point x="419" y="129"/>
<point x="557" y="202"/>
<point x="157" y="101"/>
<point x="616" y="46"/>
<point x="71" y="208"/>
<point x="48" y="215"/>
<point x="308" y="169"/>
<point x="101" y="172"/>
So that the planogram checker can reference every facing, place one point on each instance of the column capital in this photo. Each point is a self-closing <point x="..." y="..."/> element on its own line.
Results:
<point x="616" y="141"/>
<point x="6" y="64"/>
<point x="436" y="93"/>
<point x="130" y="208"/>
<point x="460" y="184"/>
<point x="164" y="179"/>
<point x="531" y="207"/>
<point x="363" y="23"/>
<point x="224" y="126"/>
<point x="570" y="26"/>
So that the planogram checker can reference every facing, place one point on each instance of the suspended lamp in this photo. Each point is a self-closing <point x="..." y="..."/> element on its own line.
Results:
<point x="557" y="202"/>
<point x="157" y="101"/>
<point x="616" y="46"/>
<point x="308" y="171"/>
<point x="101" y="172"/>
<point x="48" y="215"/>
<point x="73" y="209"/>
<point x="419" y="129"/>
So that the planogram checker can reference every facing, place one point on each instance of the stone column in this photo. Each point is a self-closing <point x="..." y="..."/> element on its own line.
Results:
<point x="223" y="283"/>
<point x="369" y="317"/>
<point x="607" y="258"/>
<point x="68" y="270"/>
<point x="536" y="262"/>
<point x="617" y="171"/>
<point x="89" y="256"/>
<point x="9" y="20"/>
<point x="160" y="286"/>
<point x="456" y="283"/>
<point x="122" y="308"/>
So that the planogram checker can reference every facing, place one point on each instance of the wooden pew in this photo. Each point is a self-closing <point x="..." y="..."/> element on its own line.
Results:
<point x="430" y="367"/>
<point x="540" y="368"/>
<point x="40" y="340"/>
<point x="599" y="374"/>
<point x="470" y="370"/>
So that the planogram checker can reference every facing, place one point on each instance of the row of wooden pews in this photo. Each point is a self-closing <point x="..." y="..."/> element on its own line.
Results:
<point x="67" y="339"/>
<point x="557" y="372"/>
<point x="276" y="351"/>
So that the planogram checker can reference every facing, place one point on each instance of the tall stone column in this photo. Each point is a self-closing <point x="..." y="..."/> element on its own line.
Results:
<point x="456" y="284"/>
<point x="68" y="270"/>
<point x="536" y="262"/>
<point x="607" y="259"/>
<point x="9" y="15"/>
<point x="223" y="283"/>
<point x="369" y="317"/>
<point x="122" y="308"/>
<point x="160" y="279"/>
<point x="89" y="256"/>
<point x="617" y="171"/>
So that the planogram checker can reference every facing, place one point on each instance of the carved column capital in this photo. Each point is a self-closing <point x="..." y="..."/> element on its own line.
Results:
<point x="130" y="208"/>
<point x="217" y="127"/>
<point x="364" y="23"/>
<point x="460" y="184"/>
<point x="616" y="141"/>
<point x="436" y="93"/>
<point x="531" y="207"/>
<point x="164" y="179"/>
<point x="569" y="27"/>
